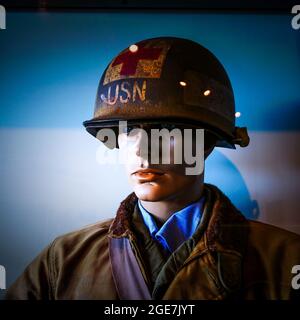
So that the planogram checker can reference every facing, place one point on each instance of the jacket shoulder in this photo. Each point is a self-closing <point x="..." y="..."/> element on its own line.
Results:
<point x="77" y="242"/>
<point x="269" y="244"/>
<point x="266" y="232"/>
<point x="99" y="228"/>
<point x="59" y="259"/>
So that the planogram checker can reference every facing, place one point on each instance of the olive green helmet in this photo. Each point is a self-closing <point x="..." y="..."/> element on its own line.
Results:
<point x="169" y="80"/>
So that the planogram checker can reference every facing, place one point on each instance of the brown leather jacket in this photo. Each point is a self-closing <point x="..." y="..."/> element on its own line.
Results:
<point x="234" y="258"/>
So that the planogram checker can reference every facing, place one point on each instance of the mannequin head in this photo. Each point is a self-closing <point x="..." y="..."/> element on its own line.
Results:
<point x="156" y="183"/>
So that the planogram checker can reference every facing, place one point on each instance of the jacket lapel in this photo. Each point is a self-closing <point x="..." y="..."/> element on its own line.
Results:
<point x="127" y="274"/>
<point x="227" y="238"/>
<point x="213" y="270"/>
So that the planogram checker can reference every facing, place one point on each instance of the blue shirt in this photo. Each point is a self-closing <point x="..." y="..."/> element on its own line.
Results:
<point x="178" y="228"/>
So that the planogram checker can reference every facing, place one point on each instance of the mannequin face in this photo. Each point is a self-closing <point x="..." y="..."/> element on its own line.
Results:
<point x="157" y="182"/>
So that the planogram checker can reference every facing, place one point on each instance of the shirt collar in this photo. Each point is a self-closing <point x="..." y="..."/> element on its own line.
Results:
<point x="178" y="228"/>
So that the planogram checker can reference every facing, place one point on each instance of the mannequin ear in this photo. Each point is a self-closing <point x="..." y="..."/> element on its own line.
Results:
<point x="207" y="152"/>
<point x="210" y="141"/>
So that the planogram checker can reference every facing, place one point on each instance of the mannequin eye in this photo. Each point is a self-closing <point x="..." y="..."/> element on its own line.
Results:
<point x="128" y="129"/>
<point x="168" y="126"/>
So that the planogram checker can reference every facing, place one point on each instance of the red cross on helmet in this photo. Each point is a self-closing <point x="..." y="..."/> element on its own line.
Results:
<point x="169" y="80"/>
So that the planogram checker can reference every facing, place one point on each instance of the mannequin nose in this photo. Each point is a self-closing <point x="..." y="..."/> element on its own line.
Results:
<point x="137" y="147"/>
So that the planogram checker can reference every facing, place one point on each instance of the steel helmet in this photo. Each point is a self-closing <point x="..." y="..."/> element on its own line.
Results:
<point x="170" y="80"/>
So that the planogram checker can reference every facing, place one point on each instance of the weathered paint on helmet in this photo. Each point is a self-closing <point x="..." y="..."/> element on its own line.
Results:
<point x="171" y="80"/>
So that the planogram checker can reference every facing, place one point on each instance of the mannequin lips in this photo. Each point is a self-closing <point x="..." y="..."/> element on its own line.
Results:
<point x="147" y="175"/>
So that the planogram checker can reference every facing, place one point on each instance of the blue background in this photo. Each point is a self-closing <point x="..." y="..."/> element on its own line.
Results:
<point x="50" y="67"/>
